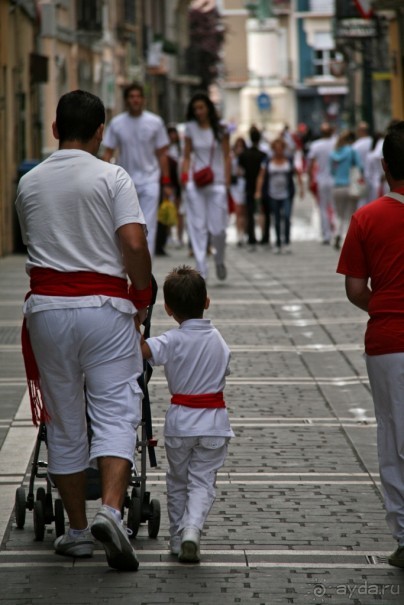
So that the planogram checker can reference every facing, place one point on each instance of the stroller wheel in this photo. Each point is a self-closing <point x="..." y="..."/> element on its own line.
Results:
<point x="41" y="495"/>
<point x="20" y="507"/>
<point x="153" y="524"/>
<point x="48" y="508"/>
<point x="39" y="520"/>
<point x="134" y="515"/>
<point x="59" y="518"/>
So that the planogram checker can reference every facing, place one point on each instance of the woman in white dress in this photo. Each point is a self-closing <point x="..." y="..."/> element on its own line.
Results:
<point x="206" y="146"/>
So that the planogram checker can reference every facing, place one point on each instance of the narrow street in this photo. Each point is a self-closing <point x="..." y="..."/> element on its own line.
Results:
<point x="299" y="515"/>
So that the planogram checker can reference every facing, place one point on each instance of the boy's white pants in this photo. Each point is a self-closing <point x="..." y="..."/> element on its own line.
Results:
<point x="101" y="346"/>
<point x="191" y="479"/>
<point x="386" y="375"/>
<point x="207" y="213"/>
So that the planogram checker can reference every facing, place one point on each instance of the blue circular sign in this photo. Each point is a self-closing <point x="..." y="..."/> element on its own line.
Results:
<point x="264" y="101"/>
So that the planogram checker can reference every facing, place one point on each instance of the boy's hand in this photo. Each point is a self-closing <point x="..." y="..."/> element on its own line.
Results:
<point x="140" y="318"/>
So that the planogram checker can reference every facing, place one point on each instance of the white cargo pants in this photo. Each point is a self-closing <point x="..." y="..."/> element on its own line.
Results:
<point x="193" y="463"/>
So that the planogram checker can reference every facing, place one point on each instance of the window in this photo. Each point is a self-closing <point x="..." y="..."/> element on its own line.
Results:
<point x="89" y="15"/>
<point x="325" y="55"/>
<point x="129" y="11"/>
<point x="324" y="60"/>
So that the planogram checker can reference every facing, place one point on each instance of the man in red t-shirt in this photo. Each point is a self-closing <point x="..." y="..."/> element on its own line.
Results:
<point x="372" y="260"/>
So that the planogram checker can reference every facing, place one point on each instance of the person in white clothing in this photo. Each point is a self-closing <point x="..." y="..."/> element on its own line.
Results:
<point x="362" y="146"/>
<point x="206" y="148"/>
<point x="142" y="142"/>
<point x="85" y="232"/>
<point x="320" y="179"/>
<point x="197" y="428"/>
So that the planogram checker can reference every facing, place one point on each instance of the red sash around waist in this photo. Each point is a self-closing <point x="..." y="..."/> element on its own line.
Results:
<point x="205" y="400"/>
<point x="48" y="282"/>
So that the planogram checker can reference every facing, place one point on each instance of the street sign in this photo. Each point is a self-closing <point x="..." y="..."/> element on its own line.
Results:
<point x="364" y="8"/>
<point x="355" y="28"/>
<point x="264" y="102"/>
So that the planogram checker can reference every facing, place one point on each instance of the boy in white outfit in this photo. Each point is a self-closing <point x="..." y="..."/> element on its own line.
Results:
<point x="197" y="428"/>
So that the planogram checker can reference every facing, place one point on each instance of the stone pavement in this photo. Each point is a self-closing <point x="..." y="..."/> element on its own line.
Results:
<point x="299" y="516"/>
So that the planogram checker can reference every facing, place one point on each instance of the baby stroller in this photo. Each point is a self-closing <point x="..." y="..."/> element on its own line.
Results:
<point x="141" y="508"/>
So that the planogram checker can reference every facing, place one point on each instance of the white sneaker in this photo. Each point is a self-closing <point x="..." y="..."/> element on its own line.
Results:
<point x="175" y="545"/>
<point x="80" y="546"/>
<point x="189" y="551"/>
<point x="287" y="249"/>
<point x="114" y="538"/>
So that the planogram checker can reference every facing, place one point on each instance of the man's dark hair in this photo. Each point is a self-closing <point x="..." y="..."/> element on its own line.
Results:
<point x="131" y="87"/>
<point x="393" y="150"/>
<point x="255" y="135"/>
<point x="185" y="292"/>
<point x="78" y="115"/>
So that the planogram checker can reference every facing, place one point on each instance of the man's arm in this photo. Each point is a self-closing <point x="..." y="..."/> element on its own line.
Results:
<point x="136" y="258"/>
<point x="162" y="157"/>
<point x="259" y="183"/>
<point x="358" y="292"/>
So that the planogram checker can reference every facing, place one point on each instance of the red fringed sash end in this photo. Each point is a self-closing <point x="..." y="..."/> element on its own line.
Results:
<point x="38" y="409"/>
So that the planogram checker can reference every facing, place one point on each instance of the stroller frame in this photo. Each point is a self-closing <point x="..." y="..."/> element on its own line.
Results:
<point x="141" y="508"/>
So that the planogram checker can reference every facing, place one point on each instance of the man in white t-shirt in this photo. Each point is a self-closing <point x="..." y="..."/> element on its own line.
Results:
<point x="85" y="232"/>
<point x="142" y="143"/>
<point x="318" y="169"/>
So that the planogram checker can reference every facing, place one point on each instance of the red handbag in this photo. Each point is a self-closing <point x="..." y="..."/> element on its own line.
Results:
<point x="203" y="177"/>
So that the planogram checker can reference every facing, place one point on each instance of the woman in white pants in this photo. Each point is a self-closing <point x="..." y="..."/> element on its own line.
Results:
<point x="206" y="145"/>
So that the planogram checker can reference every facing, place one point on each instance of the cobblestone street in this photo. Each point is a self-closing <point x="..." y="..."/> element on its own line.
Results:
<point x="299" y="516"/>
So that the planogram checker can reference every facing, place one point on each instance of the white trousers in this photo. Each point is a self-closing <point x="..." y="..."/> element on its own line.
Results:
<point x="98" y="345"/>
<point x="386" y="375"/>
<point x="193" y="463"/>
<point x="207" y="214"/>
<point x="325" y="203"/>
<point x="149" y="197"/>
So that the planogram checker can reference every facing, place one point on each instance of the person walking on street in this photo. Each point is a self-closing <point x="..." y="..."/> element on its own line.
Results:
<point x="276" y="186"/>
<point x="206" y="177"/>
<point x="342" y="159"/>
<point x="237" y="189"/>
<point x="319" y="172"/>
<point x="141" y="139"/>
<point x="373" y="250"/>
<point x="85" y="232"/>
<point x="197" y="428"/>
<point x="362" y="146"/>
<point x="250" y="161"/>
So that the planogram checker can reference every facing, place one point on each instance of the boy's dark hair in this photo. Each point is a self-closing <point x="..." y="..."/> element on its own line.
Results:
<point x="78" y="115"/>
<point x="185" y="292"/>
<point x="393" y="150"/>
<point x="131" y="87"/>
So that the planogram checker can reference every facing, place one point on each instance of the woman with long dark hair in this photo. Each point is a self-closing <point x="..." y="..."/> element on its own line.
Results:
<point x="206" y="176"/>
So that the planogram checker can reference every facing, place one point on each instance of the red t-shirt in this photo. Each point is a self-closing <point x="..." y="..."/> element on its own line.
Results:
<point x="374" y="248"/>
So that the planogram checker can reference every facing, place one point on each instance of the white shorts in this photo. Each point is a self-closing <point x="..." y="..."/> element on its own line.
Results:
<point x="98" y="347"/>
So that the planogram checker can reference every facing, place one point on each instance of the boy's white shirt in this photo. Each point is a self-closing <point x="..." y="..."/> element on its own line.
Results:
<point x="196" y="361"/>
